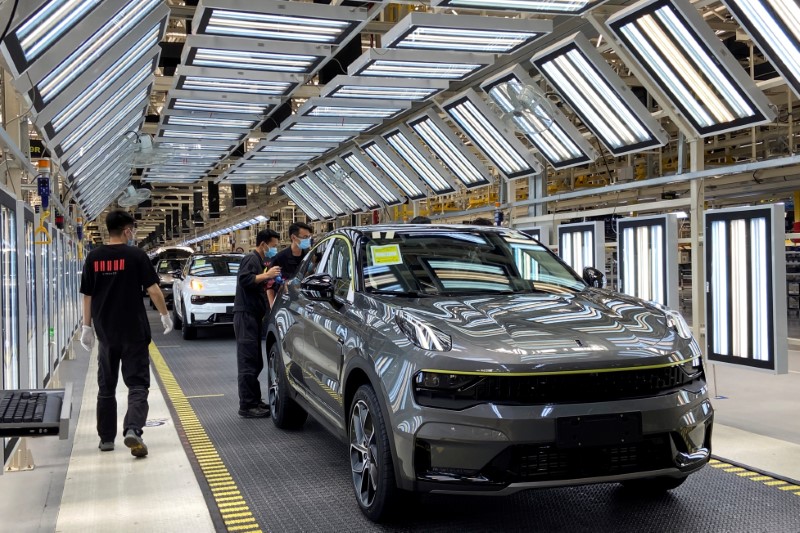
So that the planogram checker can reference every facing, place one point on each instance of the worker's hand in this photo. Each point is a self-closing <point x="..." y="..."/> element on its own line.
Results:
<point x="166" y="321"/>
<point x="87" y="338"/>
<point x="273" y="272"/>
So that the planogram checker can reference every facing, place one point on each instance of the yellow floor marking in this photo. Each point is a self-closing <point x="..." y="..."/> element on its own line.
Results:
<point x="734" y="469"/>
<point x="747" y="474"/>
<point x="760" y="478"/>
<point x="790" y="487"/>
<point x="720" y="465"/>
<point x="775" y="483"/>
<point x="223" y="489"/>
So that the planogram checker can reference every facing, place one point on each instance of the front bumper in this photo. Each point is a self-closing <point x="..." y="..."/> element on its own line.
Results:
<point x="501" y="449"/>
<point x="210" y="314"/>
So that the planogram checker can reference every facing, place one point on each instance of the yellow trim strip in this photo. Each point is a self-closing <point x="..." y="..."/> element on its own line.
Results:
<point x="223" y="489"/>
<point x="556" y="373"/>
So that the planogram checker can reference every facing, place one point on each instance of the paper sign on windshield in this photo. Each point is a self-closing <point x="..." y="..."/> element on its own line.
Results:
<point x="388" y="254"/>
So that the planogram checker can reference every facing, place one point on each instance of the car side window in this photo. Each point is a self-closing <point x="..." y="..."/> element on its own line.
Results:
<point x="312" y="262"/>
<point x="340" y="268"/>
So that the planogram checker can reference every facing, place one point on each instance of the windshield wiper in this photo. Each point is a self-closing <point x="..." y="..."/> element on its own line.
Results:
<point x="407" y="294"/>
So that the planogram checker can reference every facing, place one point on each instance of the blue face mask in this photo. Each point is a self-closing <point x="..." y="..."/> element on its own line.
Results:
<point x="305" y="244"/>
<point x="271" y="252"/>
<point x="132" y="240"/>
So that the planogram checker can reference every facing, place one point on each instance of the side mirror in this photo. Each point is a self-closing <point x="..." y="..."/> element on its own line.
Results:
<point x="177" y="274"/>
<point x="593" y="277"/>
<point x="318" y="287"/>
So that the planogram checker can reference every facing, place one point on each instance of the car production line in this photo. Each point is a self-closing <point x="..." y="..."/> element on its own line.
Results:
<point x="250" y="471"/>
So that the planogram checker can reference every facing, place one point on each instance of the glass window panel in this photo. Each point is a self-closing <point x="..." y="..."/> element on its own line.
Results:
<point x="32" y="304"/>
<point x="10" y="301"/>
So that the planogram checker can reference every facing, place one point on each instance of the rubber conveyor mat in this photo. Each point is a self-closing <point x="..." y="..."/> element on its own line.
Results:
<point x="300" y="480"/>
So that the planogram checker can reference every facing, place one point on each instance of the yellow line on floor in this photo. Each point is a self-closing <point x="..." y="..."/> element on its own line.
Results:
<point x="216" y="474"/>
<point x="756" y="476"/>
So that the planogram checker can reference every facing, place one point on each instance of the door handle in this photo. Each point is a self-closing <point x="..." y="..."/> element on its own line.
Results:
<point x="340" y="340"/>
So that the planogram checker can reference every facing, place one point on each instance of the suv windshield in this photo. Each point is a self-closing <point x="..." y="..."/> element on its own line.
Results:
<point x="166" y="266"/>
<point x="215" y="266"/>
<point x="462" y="263"/>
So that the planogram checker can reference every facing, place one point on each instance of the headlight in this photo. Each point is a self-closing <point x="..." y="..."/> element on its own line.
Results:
<point x="196" y="285"/>
<point x="423" y="334"/>
<point x="447" y="391"/>
<point x="676" y="321"/>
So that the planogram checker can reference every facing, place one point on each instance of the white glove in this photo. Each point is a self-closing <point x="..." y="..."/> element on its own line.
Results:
<point x="166" y="321"/>
<point x="87" y="338"/>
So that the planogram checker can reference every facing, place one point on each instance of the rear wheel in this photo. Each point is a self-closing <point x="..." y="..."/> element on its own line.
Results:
<point x="189" y="333"/>
<point x="286" y="413"/>
<point x="654" y="485"/>
<point x="370" y="456"/>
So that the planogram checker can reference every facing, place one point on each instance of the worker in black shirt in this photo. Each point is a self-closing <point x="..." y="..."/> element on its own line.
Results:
<point x="111" y="284"/>
<point x="289" y="259"/>
<point x="249" y="308"/>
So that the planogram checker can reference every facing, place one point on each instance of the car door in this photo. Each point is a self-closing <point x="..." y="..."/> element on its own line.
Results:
<point x="328" y="324"/>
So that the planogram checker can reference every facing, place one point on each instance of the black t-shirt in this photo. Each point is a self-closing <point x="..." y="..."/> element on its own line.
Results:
<point x="250" y="296"/>
<point x="288" y="262"/>
<point x="114" y="275"/>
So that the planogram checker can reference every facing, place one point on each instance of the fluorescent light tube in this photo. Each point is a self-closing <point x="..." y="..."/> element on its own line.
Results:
<point x="557" y="7"/>
<point x="372" y="176"/>
<point x="312" y="200"/>
<point x="382" y="62"/>
<point x="341" y="180"/>
<point x="415" y="157"/>
<point x="294" y="196"/>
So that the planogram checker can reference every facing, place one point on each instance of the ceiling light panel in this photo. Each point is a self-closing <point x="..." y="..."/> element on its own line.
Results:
<point x="352" y="108"/>
<point x="599" y="96"/>
<point x="284" y="21"/>
<point x="464" y="33"/>
<point x="57" y="68"/>
<point x="774" y="26"/>
<point x="247" y="54"/>
<point x="676" y="47"/>
<point x="203" y="102"/>
<point x="372" y="176"/>
<point x="545" y="126"/>
<point x="337" y="189"/>
<point x="312" y="200"/>
<point x="329" y="124"/>
<point x="311" y="136"/>
<point x="208" y="122"/>
<point x="389" y="163"/>
<point x="205" y="147"/>
<point x="419" y="160"/>
<point x="556" y="7"/>
<point x="450" y="150"/>
<point x="267" y="148"/>
<point x="382" y="62"/>
<point x="196" y="133"/>
<point x="481" y="125"/>
<point x="211" y="80"/>
<point x="294" y="196"/>
<point x="370" y="87"/>
<point x="343" y="178"/>
<point x="324" y="194"/>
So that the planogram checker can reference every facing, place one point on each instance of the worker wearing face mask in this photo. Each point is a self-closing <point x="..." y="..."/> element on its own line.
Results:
<point x="289" y="259"/>
<point x="249" y="309"/>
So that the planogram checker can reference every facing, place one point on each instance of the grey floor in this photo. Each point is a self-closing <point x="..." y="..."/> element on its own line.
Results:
<point x="300" y="480"/>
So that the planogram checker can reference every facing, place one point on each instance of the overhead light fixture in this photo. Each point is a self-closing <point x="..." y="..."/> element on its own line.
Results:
<point x="312" y="200"/>
<point x="196" y="133"/>
<point x="464" y="33"/>
<point x="342" y="178"/>
<point x="311" y="136"/>
<point x="241" y="104"/>
<point x="289" y="191"/>
<point x="450" y="150"/>
<point x="352" y="108"/>
<point x="556" y="7"/>
<point x="676" y="47"/>
<point x="480" y="124"/>
<point x="546" y="127"/>
<point x="382" y="62"/>
<point x="268" y="19"/>
<point x="582" y="245"/>
<point x="392" y="166"/>
<point x="359" y="87"/>
<point x="322" y="192"/>
<point x="146" y="13"/>
<point x="201" y="147"/>
<point x="373" y="176"/>
<point x="249" y="54"/>
<point x="274" y="84"/>
<point x="196" y="121"/>
<point x="342" y="194"/>
<point x="418" y="159"/>
<point x="647" y="258"/>
<point x="745" y="265"/>
<point x="270" y="148"/>
<point x="773" y="26"/>
<point x="329" y="124"/>
<point x="598" y="96"/>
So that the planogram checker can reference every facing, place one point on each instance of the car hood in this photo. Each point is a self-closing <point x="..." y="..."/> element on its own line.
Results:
<point x="214" y="285"/>
<point x="528" y="332"/>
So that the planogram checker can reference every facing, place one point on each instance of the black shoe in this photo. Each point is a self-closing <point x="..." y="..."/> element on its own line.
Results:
<point x="106" y="446"/>
<point x="135" y="443"/>
<point x="254" y="412"/>
<point x="262" y="405"/>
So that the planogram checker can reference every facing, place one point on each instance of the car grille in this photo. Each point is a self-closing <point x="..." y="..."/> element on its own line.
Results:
<point x="218" y="299"/>
<point x="565" y="388"/>
<point x="546" y="462"/>
<point x="225" y="318"/>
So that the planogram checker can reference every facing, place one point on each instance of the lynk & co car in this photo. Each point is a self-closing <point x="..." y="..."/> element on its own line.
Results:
<point x="464" y="359"/>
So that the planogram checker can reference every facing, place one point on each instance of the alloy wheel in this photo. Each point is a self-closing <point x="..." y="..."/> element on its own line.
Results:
<point x="363" y="454"/>
<point x="274" y="384"/>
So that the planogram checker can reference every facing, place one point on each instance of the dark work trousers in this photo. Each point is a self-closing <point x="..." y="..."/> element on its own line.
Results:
<point x="135" y="359"/>
<point x="249" y="358"/>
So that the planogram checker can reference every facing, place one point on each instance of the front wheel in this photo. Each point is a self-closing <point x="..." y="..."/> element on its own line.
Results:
<point x="286" y="413"/>
<point x="189" y="333"/>
<point x="176" y="320"/>
<point x="370" y="456"/>
<point x="654" y="485"/>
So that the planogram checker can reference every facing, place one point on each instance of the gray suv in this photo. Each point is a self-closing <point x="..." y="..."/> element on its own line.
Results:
<point x="465" y="359"/>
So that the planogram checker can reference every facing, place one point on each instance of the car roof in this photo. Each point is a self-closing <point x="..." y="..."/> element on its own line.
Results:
<point x="432" y="228"/>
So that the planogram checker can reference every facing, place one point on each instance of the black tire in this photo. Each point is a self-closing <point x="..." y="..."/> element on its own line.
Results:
<point x="189" y="333"/>
<point x="376" y="493"/>
<point x="176" y="320"/>
<point x="653" y="485"/>
<point x="286" y="413"/>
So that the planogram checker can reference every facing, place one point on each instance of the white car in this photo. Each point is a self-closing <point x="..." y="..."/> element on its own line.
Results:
<point x="204" y="292"/>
